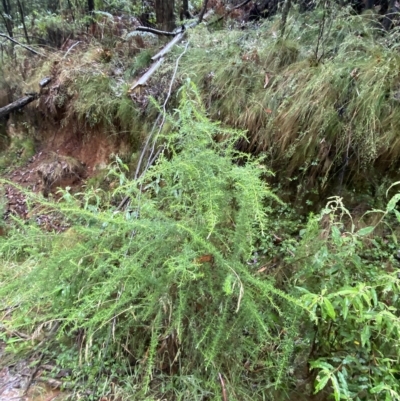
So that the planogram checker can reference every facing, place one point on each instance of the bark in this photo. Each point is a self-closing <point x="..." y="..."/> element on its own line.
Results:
<point x="203" y="11"/>
<point x="165" y="14"/>
<point x="22" y="16"/>
<point x="185" y="14"/>
<point x="7" y="17"/>
<point x="18" y="104"/>
<point x="390" y="14"/>
<point x="90" y="6"/>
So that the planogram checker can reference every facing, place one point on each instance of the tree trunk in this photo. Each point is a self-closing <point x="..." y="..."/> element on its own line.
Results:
<point x="185" y="14"/>
<point x="90" y="6"/>
<point x="7" y="17"/>
<point x="165" y="14"/>
<point x="22" y="16"/>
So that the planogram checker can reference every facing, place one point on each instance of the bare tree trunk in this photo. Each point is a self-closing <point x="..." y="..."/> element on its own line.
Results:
<point x="165" y="14"/>
<point x="388" y="19"/>
<point x="185" y="14"/>
<point x="7" y="17"/>
<point x="203" y="11"/>
<point x="22" y="16"/>
<point x="90" y="6"/>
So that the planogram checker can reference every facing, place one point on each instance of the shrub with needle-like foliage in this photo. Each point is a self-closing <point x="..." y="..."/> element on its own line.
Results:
<point x="167" y="287"/>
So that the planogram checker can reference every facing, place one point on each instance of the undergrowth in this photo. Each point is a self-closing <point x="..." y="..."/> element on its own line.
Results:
<point x="165" y="286"/>
<point x="321" y="102"/>
<point x="170" y="298"/>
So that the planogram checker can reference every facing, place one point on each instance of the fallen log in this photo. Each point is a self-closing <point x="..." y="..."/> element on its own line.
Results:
<point x="142" y="81"/>
<point x="168" y="46"/>
<point x="18" y="104"/>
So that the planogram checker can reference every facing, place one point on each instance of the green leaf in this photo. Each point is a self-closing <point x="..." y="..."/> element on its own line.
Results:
<point x="392" y="203"/>
<point x="377" y="389"/>
<point x="336" y="388"/>
<point x="397" y="213"/>
<point x="365" y="335"/>
<point x="321" y="365"/>
<point x="329" y="309"/>
<point x="321" y="382"/>
<point x="365" y="231"/>
<point x="336" y="236"/>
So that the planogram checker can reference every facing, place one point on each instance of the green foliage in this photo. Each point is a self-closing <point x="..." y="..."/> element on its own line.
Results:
<point x="354" y="301"/>
<point x="317" y="102"/>
<point x="165" y="285"/>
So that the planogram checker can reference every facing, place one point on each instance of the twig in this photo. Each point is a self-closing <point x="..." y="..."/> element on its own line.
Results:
<point x="20" y="44"/>
<point x="165" y="105"/>
<point x="155" y="31"/>
<point x="224" y="395"/>
<point x="66" y="54"/>
<point x="151" y="158"/>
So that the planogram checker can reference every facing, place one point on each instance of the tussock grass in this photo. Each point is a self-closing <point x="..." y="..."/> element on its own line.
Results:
<point x="313" y="106"/>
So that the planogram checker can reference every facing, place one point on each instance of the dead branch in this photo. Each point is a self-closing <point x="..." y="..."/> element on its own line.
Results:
<point x="18" y="104"/>
<point x="45" y="81"/>
<point x="20" y="44"/>
<point x="224" y="395"/>
<point x="144" y="78"/>
<point x="169" y="46"/>
<point x="155" y="31"/>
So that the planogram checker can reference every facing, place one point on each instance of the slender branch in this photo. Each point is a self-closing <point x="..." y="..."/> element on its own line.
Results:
<point x="20" y="44"/>
<point x="155" y="31"/>
<point x="66" y="54"/>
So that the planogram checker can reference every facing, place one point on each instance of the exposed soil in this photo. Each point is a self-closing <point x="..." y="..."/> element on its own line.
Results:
<point x="54" y="166"/>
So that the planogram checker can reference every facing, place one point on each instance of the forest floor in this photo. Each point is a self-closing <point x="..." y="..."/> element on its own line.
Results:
<point x="23" y="382"/>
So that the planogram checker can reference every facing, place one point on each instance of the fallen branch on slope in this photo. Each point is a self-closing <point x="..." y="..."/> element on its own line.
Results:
<point x="22" y="45"/>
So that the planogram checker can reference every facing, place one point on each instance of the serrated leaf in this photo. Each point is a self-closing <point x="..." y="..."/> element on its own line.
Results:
<point x="329" y="309"/>
<point x="343" y="384"/>
<point x="365" y="231"/>
<point x="374" y="297"/>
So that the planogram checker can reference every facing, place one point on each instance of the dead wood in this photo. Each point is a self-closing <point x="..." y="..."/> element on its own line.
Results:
<point x="155" y="31"/>
<point x="20" y="44"/>
<point x="169" y="46"/>
<point x="18" y="104"/>
<point x="142" y="81"/>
